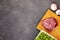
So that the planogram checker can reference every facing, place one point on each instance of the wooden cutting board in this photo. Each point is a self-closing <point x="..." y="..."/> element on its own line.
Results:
<point x="55" y="32"/>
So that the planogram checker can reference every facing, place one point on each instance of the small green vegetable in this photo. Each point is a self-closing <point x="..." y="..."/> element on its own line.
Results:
<point x="44" y="36"/>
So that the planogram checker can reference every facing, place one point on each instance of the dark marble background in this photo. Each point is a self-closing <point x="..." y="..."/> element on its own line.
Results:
<point x="18" y="18"/>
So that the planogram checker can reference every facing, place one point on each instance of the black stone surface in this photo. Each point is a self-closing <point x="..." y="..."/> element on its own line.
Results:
<point x="18" y="18"/>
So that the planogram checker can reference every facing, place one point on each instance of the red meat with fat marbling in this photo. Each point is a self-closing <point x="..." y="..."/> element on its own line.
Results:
<point x="49" y="23"/>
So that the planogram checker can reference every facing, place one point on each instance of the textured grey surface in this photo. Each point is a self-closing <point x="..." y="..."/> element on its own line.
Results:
<point x="18" y="18"/>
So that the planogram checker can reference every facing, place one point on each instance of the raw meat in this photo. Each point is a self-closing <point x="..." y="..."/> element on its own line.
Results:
<point x="49" y="23"/>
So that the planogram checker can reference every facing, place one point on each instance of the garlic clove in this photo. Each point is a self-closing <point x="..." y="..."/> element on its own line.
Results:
<point x="53" y="6"/>
<point x="58" y="12"/>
